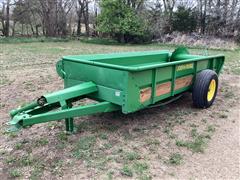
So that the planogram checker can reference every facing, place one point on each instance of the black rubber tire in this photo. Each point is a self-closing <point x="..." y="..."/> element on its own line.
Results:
<point x="201" y="88"/>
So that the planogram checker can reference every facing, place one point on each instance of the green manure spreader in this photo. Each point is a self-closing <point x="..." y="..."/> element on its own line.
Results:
<point x="125" y="82"/>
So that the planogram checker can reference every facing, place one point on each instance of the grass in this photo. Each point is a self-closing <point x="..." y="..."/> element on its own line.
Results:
<point x="194" y="132"/>
<point x="140" y="167"/>
<point x="37" y="170"/>
<point x="92" y="154"/>
<point x="101" y="41"/>
<point x="10" y="159"/>
<point x="4" y="80"/>
<point x="18" y="145"/>
<point x="132" y="156"/>
<point x="26" y="160"/>
<point x="11" y="134"/>
<point x="107" y="146"/>
<point x="110" y="175"/>
<point x="41" y="142"/>
<point x="211" y="128"/>
<point x="153" y="141"/>
<point x="84" y="148"/>
<point x="85" y="143"/>
<point x="56" y="166"/>
<point x="62" y="136"/>
<point x="85" y="126"/>
<point x="111" y="127"/>
<point x="198" y="144"/>
<point x="175" y="159"/>
<point x="14" y="173"/>
<point x="103" y="136"/>
<point x="127" y="171"/>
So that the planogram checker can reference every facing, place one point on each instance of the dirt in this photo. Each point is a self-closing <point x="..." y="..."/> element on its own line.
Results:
<point x="220" y="160"/>
<point x="143" y="141"/>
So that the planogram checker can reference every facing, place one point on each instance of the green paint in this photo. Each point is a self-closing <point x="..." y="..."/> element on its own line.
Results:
<point x="115" y="81"/>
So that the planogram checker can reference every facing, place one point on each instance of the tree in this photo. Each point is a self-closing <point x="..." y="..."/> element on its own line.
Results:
<point x="120" y="21"/>
<point x="54" y="16"/>
<point x="5" y="18"/>
<point x="184" y="20"/>
<point x="83" y="11"/>
<point x="168" y="13"/>
<point x="49" y="16"/>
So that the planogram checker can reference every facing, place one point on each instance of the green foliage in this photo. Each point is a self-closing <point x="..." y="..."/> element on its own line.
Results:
<point x="121" y="22"/>
<point x="184" y="20"/>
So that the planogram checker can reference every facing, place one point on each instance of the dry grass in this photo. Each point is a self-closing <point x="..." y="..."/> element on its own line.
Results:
<point x="196" y="40"/>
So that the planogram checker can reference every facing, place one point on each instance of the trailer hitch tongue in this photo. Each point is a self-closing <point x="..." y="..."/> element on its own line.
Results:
<point x="16" y="123"/>
<point x="14" y="112"/>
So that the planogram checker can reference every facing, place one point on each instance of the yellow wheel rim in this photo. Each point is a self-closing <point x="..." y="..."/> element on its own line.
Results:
<point x="211" y="90"/>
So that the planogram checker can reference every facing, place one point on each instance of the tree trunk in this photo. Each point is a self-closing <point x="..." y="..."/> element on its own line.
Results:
<point x="7" y="19"/>
<point x="86" y="19"/>
<point x="22" y="30"/>
<point x="225" y="12"/>
<point x="95" y="20"/>
<point x="49" y="10"/>
<point x="79" y="24"/>
<point x="37" y="31"/>
<point x="203" y="21"/>
<point x="13" y="28"/>
<point x="70" y="25"/>
<point x="27" y="29"/>
<point x="2" y="19"/>
<point x="33" y="33"/>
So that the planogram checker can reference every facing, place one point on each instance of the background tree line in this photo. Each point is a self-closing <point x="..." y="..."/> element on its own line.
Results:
<point x="123" y="20"/>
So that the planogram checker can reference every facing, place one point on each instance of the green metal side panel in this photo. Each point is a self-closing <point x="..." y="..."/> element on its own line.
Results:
<point x="201" y="65"/>
<point x="99" y="75"/>
<point x="184" y="69"/>
<point x="132" y="92"/>
<point x="136" y="60"/>
<point x="163" y="74"/>
<point x="141" y="79"/>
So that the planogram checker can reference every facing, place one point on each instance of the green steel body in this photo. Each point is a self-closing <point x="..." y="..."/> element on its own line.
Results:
<point x="122" y="81"/>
